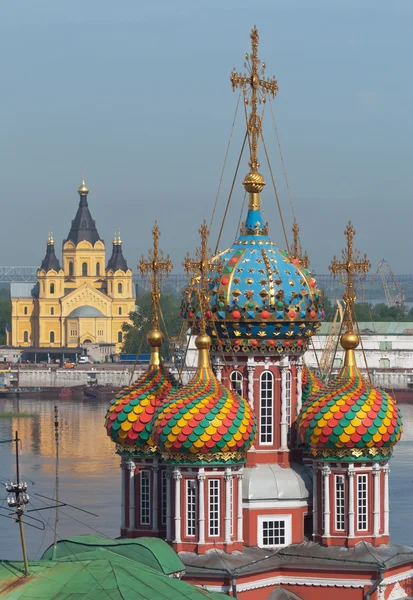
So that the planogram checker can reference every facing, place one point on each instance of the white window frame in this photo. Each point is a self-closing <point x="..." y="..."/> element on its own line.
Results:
<point x="363" y="502"/>
<point x="237" y="382"/>
<point x="164" y="499"/>
<point x="340" y="502"/>
<point x="145" y="497"/>
<point x="262" y="519"/>
<point x="288" y="396"/>
<point x="214" y="498"/>
<point x="190" y="507"/>
<point x="266" y="408"/>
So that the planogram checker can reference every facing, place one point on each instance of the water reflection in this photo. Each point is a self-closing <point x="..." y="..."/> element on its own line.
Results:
<point x="90" y="474"/>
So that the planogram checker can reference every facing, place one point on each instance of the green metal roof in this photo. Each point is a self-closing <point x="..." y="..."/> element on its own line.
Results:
<point x="97" y="573"/>
<point x="376" y="328"/>
<point x="152" y="552"/>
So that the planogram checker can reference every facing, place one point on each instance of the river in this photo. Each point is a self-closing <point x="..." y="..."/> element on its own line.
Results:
<point x="90" y="475"/>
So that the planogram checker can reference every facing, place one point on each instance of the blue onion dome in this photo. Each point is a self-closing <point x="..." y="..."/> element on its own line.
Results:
<point x="263" y="299"/>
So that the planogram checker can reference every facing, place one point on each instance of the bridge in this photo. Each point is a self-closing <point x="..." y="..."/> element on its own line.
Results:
<point x="177" y="281"/>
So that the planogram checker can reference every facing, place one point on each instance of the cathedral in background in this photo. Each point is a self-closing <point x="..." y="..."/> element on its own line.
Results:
<point x="81" y="301"/>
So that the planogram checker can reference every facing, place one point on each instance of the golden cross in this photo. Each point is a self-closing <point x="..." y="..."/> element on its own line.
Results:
<point x="200" y="267"/>
<point x="156" y="266"/>
<point x="254" y="82"/>
<point x="351" y="266"/>
<point x="297" y="249"/>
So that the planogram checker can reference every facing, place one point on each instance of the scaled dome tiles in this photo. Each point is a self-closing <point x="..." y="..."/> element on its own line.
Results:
<point x="205" y="422"/>
<point x="349" y="419"/>
<point x="129" y="418"/>
<point x="311" y="384"/>
<point x="263" y="299"/>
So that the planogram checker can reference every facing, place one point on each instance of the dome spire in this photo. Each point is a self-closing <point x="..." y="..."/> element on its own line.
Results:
<point x="255" y="89"/>
<point x="50" y="238"/>
<point x="200" y="267"/>
<point x="352" y="265"/>
<point x="155" y="266"/>
<point x="83" y="189"/>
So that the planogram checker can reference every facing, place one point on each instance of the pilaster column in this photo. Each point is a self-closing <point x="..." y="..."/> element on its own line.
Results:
<point x="168" y="506"/>
<point x="218" y="368"/>
<point x="228" y="484"/>
<point x="177" y="519"/>
<point x="386" y="471"/>
<point x="315" y="499"/>
<point x="155" y="495"/>
<point x="123" y="491"/>
<point x="299" y="368"/>
<point x="326" y="476"/>
<point x="201" y="506"/>
<point x="350" y="474"/>
<point x="251" y="371"/>
<point x="240" y="533"/>
<point x="131" y="469"/>
<point x="376" y="506"/>
<point x="283" y="422"/>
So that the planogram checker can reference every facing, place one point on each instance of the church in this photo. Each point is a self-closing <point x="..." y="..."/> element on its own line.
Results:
<point x="81" y="301"/>
<point x="269" y="483"/>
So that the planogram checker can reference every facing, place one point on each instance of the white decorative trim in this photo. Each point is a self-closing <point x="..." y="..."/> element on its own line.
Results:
<point x="284" y="504"/>
<point x="397" y="592"/>
<point x="292" y="580"/>
<point x="399" y="577"/>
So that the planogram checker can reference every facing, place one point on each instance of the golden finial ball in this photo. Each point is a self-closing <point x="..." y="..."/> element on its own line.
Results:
<point x="202" y="341"/>
<point x="349" y="341"/>
<point x="253" y="183"/>
<point x="155" y="338"/>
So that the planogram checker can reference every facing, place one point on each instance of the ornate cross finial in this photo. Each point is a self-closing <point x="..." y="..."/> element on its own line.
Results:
<point x="255" y="89"/>
<point x="297" y="252"/>
<point x="200" y="267"/>
<point x="351" y="266"/>
<point x="156" y="265"/>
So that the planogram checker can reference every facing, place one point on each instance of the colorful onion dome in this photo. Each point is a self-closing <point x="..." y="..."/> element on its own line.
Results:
<point x="204" y="421"/>
<point x="349" y="419"/>
<point x="311" y="384"/>
<point x="129" y="418"/>
<point x="263" y="299"/>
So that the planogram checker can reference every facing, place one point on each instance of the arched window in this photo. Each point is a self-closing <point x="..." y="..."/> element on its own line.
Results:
<point x="236" y="380"/>
<point x="119" y="288"/>
<point x="120" y="337"/>
<point x="51" y="337"/>
<point x="266" y="408"/>
<point x="70" y="269"/>
<point x="120" y="310"/>
<point x="26" y="337"/>
<point x="52" y="310"/>
<point x="84" y="269"/>
<point x="52" y="288"/>
<point x="25" y="310"/>
<point x="98" y="269"/>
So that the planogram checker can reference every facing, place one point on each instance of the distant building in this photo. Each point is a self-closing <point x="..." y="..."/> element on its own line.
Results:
<point x="80" y="302"/>
<point x="387" y="348"/>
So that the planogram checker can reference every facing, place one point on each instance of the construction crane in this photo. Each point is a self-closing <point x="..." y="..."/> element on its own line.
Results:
<point x="393" y="291"/>
<point x="327" y="355"/>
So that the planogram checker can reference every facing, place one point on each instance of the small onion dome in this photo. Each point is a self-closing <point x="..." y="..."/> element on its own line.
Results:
<point x="311" y="384"/>
<point x="204" y="421"/>
<point x="130" y="414"/>
<point x="83" y="189"/>
<point x="348" y="418"/>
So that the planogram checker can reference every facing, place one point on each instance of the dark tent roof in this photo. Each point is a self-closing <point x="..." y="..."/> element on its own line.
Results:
<point x="83" y="226"/>
<point x="117" y="260"/>
<point x="50" y="261"/>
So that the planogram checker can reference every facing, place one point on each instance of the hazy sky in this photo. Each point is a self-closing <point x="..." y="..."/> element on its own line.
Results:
<point x="138" y="94"/>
